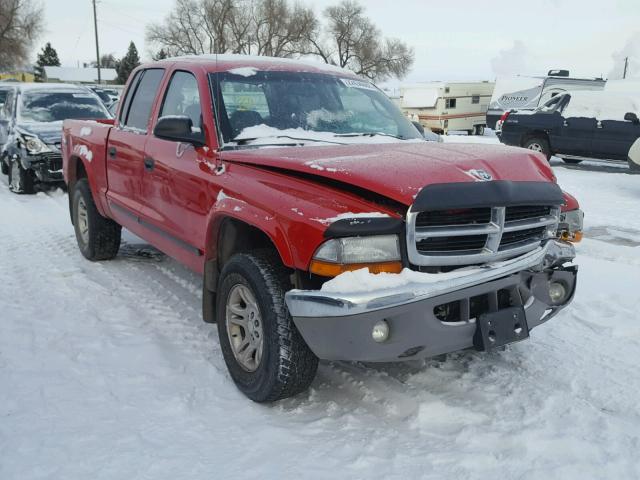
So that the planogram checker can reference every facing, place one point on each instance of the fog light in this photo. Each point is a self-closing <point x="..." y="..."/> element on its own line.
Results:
<point x="380" y="331"/>
<point x="557" y="292"/>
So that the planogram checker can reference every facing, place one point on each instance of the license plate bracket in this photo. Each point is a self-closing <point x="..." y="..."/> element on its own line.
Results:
<point x="500" y="328"/>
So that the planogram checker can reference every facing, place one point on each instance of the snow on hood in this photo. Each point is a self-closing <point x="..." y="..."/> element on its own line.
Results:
<point x="48" y="132"/>
<point x="400" y="170"/>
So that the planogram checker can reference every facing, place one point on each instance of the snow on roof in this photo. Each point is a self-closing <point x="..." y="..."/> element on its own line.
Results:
<point x="601" y="105"/>
<point x="53" y="86"/>
<point x="263" y="61"/>
<point x="84" y="75"/>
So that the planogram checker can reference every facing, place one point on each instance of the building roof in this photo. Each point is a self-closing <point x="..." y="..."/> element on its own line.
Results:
<point x="84" y="75"/>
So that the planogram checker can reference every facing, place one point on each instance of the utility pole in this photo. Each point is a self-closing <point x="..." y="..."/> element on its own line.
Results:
<point x="626" y="64"/>
<point x="95" y="26"/>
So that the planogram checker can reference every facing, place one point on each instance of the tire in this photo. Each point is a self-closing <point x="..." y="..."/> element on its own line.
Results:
<point x="20" y="180"/>
<point x="4" y="168"/>
<point x="286" y="366"/>
<point x="571" y="161"/>
<point x="538" y="144"/>
<point x="478" y="130"/>
<point x="633" y="167"/>
<point x="98" y="237"/>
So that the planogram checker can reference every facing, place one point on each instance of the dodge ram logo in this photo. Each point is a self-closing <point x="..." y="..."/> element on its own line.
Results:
<point x="479" y="175"/>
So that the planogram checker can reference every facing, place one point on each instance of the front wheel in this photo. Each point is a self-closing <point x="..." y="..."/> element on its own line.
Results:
<point x="540" y="145"/>
<point x="20" y="180"/>
<point x="478" y="130"/>
<point x="98" y="237"/>
<point x="266" y="356"/>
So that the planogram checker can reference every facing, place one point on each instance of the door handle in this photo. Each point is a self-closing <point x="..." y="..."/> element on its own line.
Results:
<point x="112" y="152"/>
<point x="149" y="163"/>
<point x="599" y="124"/>
<point x="565" y="124"/>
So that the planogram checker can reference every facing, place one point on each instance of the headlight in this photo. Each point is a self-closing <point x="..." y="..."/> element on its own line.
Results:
<point x="570" y="226"/>
<point x="33" y="144"/>
<point x="379" y="253"/>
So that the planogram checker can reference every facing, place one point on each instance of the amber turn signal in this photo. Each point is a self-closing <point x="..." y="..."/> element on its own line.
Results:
<point x="574" y="237"/>
<point x="328" y="269"/>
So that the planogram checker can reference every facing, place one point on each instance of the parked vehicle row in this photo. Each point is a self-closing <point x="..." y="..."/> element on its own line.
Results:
<point x="273" y="177"/>
<point x="593" y="124"/>
<point x="31" y="130"/>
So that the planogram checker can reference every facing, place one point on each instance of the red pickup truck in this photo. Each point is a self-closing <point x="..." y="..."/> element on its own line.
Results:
<point x="324" y="224"/>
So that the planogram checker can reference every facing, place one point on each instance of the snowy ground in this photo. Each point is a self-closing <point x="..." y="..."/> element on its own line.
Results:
<point x="107" y="372"/>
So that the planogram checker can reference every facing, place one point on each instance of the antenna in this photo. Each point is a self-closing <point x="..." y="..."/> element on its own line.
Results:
<point x="95" y="26"/>
<point x="626" y="65"/>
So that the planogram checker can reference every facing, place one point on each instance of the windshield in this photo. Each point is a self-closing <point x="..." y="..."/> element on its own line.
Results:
<point x="303" y="106"/>
<point x="52" y="106"/>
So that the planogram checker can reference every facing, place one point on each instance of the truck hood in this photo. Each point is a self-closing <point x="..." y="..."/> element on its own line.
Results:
<point x="400" y="170"/>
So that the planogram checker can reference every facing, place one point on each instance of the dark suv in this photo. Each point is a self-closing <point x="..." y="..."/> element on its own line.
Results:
<point x="31" y="130"/>
<point x="576" y="124"/>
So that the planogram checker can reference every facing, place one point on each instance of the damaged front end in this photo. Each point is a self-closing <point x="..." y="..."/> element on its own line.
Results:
<point x="485" y="263"/>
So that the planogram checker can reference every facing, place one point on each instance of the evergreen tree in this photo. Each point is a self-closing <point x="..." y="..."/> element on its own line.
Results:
<point x="126" y="65"/>
<point x="161" y="55"/>
<point x="47" y="58"/>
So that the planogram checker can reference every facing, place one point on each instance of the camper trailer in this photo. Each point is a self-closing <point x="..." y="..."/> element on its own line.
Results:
<point x="448" y="106"/>
<point x="528" y="93"/>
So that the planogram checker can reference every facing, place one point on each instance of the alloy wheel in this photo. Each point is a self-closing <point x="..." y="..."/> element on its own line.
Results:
<point x="244" y="327"/>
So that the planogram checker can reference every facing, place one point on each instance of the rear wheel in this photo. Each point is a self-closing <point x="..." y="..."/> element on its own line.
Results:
<point x="478" y="130"/>
<point x="20" y="180"/>
<point x="266" y="356"/>
<point x="538" y="144"/>
<point x="98" y="237"/>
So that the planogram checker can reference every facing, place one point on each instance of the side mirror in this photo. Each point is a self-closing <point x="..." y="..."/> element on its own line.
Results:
<point x="177" y="128"/>
<point x="631" y="117"/>
<point x="419" y="127"/>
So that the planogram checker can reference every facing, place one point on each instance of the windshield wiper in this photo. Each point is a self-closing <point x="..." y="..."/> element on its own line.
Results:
<point x="369" y="134"/>
<point x="299" y="139"/>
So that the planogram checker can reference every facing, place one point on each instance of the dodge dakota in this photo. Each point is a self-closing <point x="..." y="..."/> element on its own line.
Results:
<point x="323" y="223"/>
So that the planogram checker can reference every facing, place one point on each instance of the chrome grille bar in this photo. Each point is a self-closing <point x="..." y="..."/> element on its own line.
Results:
<point x="493" y="250"/>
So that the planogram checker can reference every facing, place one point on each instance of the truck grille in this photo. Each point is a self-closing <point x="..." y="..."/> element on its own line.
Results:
<point x="476" y="235"/>
<point x="53" y="161"/>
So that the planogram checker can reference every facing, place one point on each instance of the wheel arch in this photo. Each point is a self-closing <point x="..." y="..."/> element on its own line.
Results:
<point x="229" y="234"/>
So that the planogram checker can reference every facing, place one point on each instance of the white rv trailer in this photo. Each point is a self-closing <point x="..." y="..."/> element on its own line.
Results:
<point x="528" y="93"/>
<point x="445" y="106"/>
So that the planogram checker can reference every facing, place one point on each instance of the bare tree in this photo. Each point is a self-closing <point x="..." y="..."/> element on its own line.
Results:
<point x="20" y="24"/>
<point x="261" y="27"/>
<point x="354" y="42"/>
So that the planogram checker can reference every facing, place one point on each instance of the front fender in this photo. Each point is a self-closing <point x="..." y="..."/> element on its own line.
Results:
<point x="229" y="207"/>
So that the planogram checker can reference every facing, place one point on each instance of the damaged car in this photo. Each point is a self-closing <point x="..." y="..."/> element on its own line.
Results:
<point x="31" y="130"/>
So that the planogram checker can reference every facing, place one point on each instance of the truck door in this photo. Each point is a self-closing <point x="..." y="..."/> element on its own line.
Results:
<point x="613" y="138"/>
<point x="575" y="136"/>
<point x="177" y="182"/>
<point x="125" y="147"/>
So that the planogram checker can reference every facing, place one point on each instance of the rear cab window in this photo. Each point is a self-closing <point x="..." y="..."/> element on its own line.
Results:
<point x="136" y="110"/>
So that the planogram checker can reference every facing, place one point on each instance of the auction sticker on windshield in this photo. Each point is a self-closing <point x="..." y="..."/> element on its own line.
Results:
<point x="357" y="84"/>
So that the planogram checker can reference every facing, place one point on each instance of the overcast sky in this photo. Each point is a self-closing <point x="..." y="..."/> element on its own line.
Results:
<point x="453" y="40"/>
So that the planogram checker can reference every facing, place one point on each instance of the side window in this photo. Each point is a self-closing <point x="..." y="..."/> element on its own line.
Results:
<point x="128" y="96"/>
<point x="475" y="99"/>
<point x="182" y="98"/>
<point x="451" y="103"/>
<point x="142" y="101"/>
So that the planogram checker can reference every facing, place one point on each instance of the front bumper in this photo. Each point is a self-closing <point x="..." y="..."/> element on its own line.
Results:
<point x="338" y="326"/>
<point x="47" y="167"/>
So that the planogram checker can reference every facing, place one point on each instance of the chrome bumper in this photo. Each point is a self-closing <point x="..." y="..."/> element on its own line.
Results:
<point x="316" y="303"/>
<point x="338" y="326"/>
